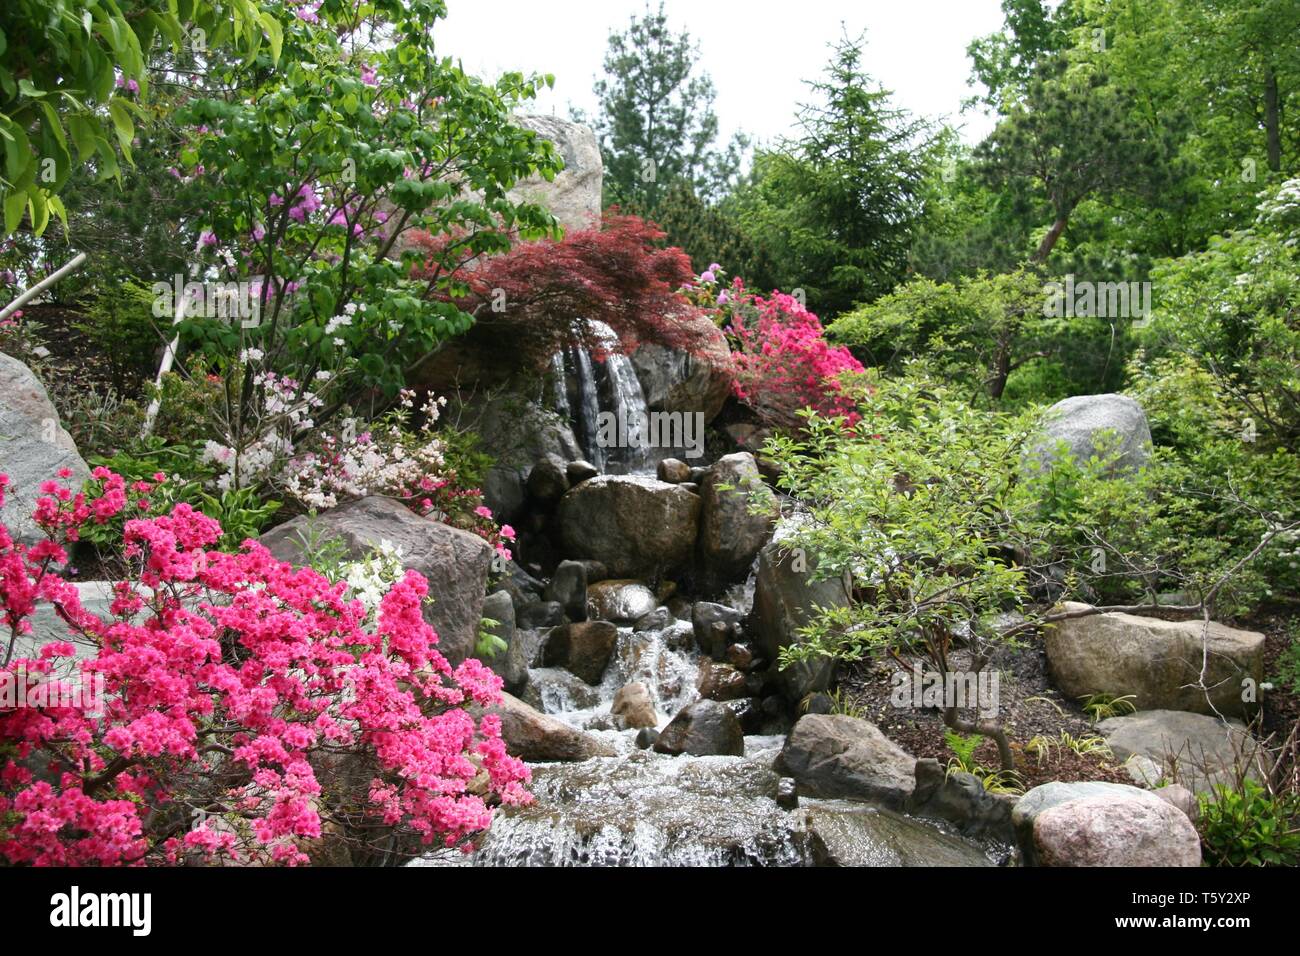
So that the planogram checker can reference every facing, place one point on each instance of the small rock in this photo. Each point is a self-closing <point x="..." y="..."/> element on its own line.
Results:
<point x="787" y="794"/>
<point x="568" y="587"/>
<point x="674" y="471"/>
<point x="1176" y="795"/>
<point x="740" y="656"/>
<point x="720" y="682"/>
<point x="539" y="615"/>
<point x="656" y="620"/>
<point x="646" y="738"/>
<point x="547" y="482"/>
<point x="715" y="625"/>
<point x="749" y="711"/>
<point x="579" y="471"/>
<point x="701" y="729"/>
<point x="533" y="736"/>
<point x="554" y="690"/>
<point x="635" y="706"/>
<point x="619" y="600"/>
<point x="840" y="756"/>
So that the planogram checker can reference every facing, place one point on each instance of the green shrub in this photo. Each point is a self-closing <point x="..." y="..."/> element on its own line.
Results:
<point x="1249" y="826"/>
<point x="119" y="325"/>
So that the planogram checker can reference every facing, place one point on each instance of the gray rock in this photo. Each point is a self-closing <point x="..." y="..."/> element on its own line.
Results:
<point x="1196" y="750"/>
<point x="574" y="196"/>
<point x="786" y="597"/>
<point x="584" y="648"/>
<point x="1087" y="423"/>
<point x="731" y="532"/>
<point x="553" y="690"/>
<point x="715" y="626"/>
<point x="547" y="480"/>
<point x="540" y="614"/>
<point x="533" y="736"/>
<point x="656" y="620"/>
<point x="524" y="653"/>
<point x="1155" y="660"/>
<point x="637" y="527"/>
<point x="455" y="562"/>
<point x="523" y="587"/>
<point x="702" y="729"/>
<point x="1176" y="795"/>
<point x="619" y="600"/>
<point x="787" y="794"/>
<point x="855" y="835"/>
<point x="498" y="606"/>
<point x="568" y="587"/>
<point x="34" y="448"/>
<point x="646" y="738"/>
<point x="1113" y="830"/>
<point x="697" y="381"/>
<point x="634" y="705"/>
<point x="960" y="799"/>
<point x="833" y="755"/>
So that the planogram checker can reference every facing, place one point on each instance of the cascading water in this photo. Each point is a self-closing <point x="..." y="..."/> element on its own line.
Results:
<point x="612" y="388"/>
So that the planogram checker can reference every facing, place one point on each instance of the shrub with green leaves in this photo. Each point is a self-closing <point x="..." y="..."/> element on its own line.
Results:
<point x="1250" y="826"/>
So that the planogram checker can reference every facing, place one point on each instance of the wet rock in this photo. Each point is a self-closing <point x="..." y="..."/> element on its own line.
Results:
<point x="740" y="656"/>
<point x="656" y="620"/>
<point x="547" y="481"/>
<point x="854" y="835"/>
<point x="787" y="794"/>
<point x="737" y="516"/>
<point x="646" y="738"/>
<point x="522" y="587"/>
<point x="454" y="562"/>
<point x="635" y="706"/>
<point x="716" y="626"/>
<point x="637" y="527"/>
<point x="839" y="756"/>
<point x="499" y="607"/>
<point x="691" y="381"/>
<point x="534" y="736"/>
<point x="720" y="682"/>
<point x="960" y="799"/>
<point x="673" y="470"/>
<point x="749" y="711"/>
<point x="553" y="690"/>
<point x="583" y="648"/>
<point x="539" y="615"/>
<point x="619" y="600"/>
<point x="34" y="447"/>
<point x="580" y="470"/>
<point x="568" y="587"/>
<point x="1155" y="661"/>
<point x="703" y="728"/>
<point x="525" y="652"/>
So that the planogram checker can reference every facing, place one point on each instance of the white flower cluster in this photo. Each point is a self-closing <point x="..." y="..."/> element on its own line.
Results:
<point x="286" y="410"/>
<point x="370" y="578"/>
<point x="388" y="460"/>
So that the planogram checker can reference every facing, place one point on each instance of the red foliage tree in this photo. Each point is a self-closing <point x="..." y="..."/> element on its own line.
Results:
<point x="531" y="300"/>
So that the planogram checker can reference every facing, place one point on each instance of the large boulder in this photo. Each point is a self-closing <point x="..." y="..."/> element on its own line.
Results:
<point x="533" y="736"/>
<point x="637" y="527"/>
<point x="1061" y="841"/>
<point x="702" y="729"/>
<point x="1197" y="750"/>
<point x="833" y="755"/>
<point x="1115" y="830"/>
<point x="786" y="598"/>
<point x="1155" y="661"/>
<point x="737" y="515"/>
<point x="1092" y="424"/>
<point x="34" y="448"/>
<point x="687" y="381"/>
<point x="574" y="196"/>
<point x="455" y="563"/>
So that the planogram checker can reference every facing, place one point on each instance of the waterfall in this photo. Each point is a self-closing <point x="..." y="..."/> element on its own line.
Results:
<point x="613" y="388"/>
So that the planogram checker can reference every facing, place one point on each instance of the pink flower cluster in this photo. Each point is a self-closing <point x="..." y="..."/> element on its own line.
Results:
<point x="241" y="694"/>
<point x="782" y="360"/>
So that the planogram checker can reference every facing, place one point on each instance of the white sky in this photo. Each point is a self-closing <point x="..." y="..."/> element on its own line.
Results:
<point x="757" y="51"/>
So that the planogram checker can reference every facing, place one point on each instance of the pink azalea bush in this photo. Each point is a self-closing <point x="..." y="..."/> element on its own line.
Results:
<point x="783" y="363"/>
<point x="249" y="707"/>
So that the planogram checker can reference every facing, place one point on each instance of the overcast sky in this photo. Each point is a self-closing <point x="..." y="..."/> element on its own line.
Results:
<point x="757" y="51"/>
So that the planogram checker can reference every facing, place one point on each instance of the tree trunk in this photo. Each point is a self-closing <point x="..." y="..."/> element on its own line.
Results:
<point x="1049" y="240"/>
<point x="1272" y="119"/>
